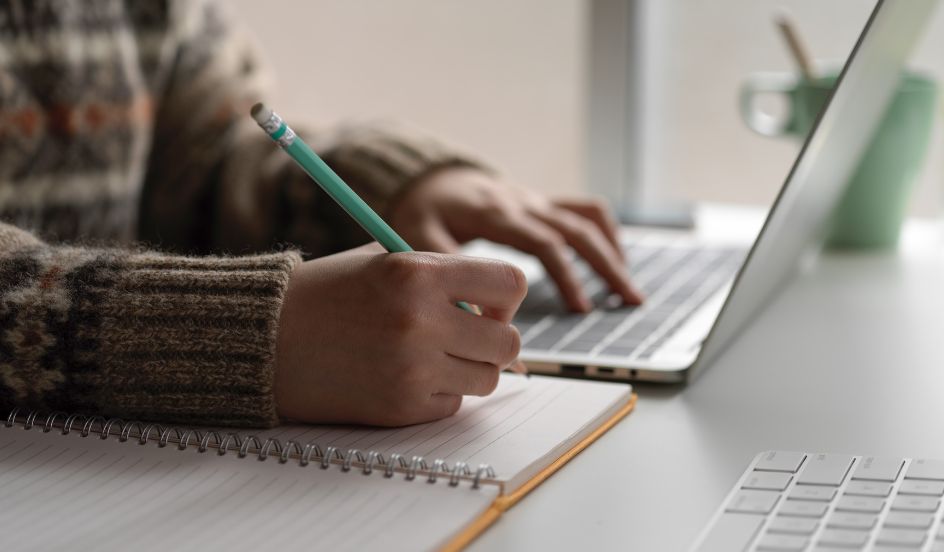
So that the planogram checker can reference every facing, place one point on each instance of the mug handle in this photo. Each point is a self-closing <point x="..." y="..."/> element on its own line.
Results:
<point x="762" y="123"/>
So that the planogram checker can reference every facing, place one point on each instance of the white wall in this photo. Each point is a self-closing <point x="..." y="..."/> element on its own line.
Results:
<point x="505" y="78"/>
<point x="700" y="58"/>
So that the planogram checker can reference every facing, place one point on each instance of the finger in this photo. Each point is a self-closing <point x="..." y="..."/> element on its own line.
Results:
<point x="593" y="246"/>
<point x="466" y="377"/>
<point x="480" y="339"/>
<point x="441" y="405"/>
<point x="498" y="285"/>
<point x="431" y="235"/>
<point x="533" y="236"/>
<point x="599" y="213"/>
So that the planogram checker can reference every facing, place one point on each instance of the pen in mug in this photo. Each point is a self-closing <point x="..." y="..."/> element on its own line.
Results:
<point x="334" y="186"/>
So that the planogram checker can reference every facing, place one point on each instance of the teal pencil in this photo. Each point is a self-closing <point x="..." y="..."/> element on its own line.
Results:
<point x="332" y="184"/>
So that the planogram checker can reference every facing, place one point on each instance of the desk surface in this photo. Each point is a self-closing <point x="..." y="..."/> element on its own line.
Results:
<point x="849" y="358"/>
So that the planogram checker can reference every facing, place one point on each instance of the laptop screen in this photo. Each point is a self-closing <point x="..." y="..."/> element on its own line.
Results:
<point x="800" y="214"/>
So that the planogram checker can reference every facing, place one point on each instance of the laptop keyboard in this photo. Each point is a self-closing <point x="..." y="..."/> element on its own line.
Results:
<point x="676" y="280"/>
<point x="830" y="502"/>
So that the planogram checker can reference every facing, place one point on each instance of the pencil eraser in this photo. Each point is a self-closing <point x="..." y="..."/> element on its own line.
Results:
<point x="260" y="113"/>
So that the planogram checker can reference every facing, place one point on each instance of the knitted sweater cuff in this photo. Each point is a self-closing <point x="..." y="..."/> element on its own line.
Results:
<point x="144" y="335"/>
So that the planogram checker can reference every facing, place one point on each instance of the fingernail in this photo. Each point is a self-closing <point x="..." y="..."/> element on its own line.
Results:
<point x="519" y="367"/>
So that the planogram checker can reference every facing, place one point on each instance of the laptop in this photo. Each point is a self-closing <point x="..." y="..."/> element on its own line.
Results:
<point x="701" y="295"/>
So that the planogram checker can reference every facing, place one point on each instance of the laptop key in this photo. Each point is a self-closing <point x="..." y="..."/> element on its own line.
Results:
<point x="778" y="541"/>
<point x="916" y="503"/>
<point x="774" y="481"/>
<point x="797" y="525"/>
<point x="868" y="504"/>
<point x="909" y="520"/>
<point x="868" y="488"/>
<point x="926" y="469"/>
<point x="813" y="492"/>
<point x="851" y="520"/>
<point x="803" y="508"/>
<point x="902" y="537"/>
<point x="843" y="537"/>
<point x="780" y="461"/>
<point x="825" y="469"/>
<point x="921" y="487"/>
<point x="878" y="468"/>
<point x="753" y="502"/>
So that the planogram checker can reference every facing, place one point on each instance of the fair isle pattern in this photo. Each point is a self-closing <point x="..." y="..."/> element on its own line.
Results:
<point x="125" y="122"/>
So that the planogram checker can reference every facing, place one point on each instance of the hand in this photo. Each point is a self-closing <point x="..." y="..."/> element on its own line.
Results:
<point x="376" y="338"/>
<point x="455" y="205"/>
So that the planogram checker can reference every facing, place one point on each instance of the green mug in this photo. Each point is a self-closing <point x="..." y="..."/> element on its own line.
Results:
<point x="872" y="208"/>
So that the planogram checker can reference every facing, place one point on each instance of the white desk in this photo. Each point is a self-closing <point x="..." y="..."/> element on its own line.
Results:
<point x="850" y="358"/>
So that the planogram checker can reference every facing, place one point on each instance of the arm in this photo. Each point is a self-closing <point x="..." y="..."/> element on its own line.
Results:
<point x="249" y="340"/>
<point x="138" y="334"/>
<point x="215" y="183"/>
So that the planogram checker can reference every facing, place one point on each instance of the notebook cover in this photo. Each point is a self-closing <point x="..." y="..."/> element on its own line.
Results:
<point x="503" y="503"/>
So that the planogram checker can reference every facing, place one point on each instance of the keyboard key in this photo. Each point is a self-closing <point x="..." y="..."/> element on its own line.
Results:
<point x="780" y="461"/>
<point x="803" y="508"/>
<point x="866" y="504"/>
<point x="921" y="487"/>
<point x="926" y="469"/>
<point x="753" y="502"/>
<point x="777" y="541"/>
<point x="796" y="525"/>
<point x="868" y="488"/>
<point x="842" y="537"/>
<point x="825" y="469"/>
<point x="908" y="520"/>
<point x="878" y="468"/>
<point x="733" y="531"/>
<point x="774" y="481"/>
<point x="916" y="503"/>
<point x="901" y="537"/>
<point x="812" y="492"/>
<point x="851" y="520"/>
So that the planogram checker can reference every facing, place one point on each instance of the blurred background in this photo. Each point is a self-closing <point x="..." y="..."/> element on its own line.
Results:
<point x="511" y="81"/>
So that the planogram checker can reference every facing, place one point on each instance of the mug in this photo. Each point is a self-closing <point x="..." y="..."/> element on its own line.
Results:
<point x="874" y="202"/>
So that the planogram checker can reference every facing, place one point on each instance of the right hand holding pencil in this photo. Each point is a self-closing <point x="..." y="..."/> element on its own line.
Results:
<point x="372" y="337"/>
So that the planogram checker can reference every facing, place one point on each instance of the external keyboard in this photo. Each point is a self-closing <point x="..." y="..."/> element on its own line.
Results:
<point x="676" y="280"/>
<point x="831" y="502"/>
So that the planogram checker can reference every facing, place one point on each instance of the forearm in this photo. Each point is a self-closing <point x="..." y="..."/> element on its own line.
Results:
<point x="138" y="334"/>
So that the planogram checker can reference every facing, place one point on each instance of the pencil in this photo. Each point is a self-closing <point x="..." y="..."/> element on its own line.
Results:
<point x="337" y="189"/>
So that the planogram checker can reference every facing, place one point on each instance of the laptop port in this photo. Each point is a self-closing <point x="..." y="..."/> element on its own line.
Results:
<point x="573" y="369"/>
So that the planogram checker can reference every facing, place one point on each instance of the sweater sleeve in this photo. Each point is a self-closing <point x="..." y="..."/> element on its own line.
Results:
<point x="215" y="182"/>
<point x="139" y="335"/>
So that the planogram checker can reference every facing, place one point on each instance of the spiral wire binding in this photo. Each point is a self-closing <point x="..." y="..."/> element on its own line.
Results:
<point x="250" y="445"/>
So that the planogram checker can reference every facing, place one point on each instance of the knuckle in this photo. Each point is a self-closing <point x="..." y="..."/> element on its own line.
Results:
<point x="490" y="382"/>
<point x="549" y="244"/>
<point x="408" y="271"/>
<point x="452" y="404"/>
<point x="509" y="345"/>
<point x="514" y="278"/>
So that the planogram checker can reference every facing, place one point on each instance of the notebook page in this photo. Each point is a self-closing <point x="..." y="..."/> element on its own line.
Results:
<point x="521" y="428"/>
<point x="71" y="493"/>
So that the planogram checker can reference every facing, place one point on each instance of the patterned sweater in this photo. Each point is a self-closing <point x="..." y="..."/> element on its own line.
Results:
<point x="148" y="227"/>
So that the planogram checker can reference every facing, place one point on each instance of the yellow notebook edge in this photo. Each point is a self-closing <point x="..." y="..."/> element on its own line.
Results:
<point x="503" y="503"/>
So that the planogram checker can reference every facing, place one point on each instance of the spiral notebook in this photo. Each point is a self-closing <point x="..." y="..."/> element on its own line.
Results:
<point x="79" y="483"/>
